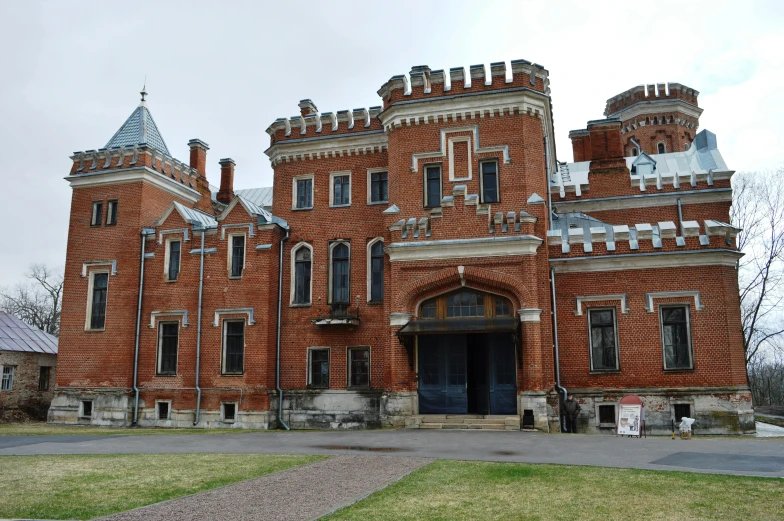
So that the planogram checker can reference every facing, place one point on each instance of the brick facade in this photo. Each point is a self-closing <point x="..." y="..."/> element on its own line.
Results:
<point x="501" y="243"/>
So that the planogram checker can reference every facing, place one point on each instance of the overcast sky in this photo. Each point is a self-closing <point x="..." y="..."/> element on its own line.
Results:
<point x="223" y="71"/>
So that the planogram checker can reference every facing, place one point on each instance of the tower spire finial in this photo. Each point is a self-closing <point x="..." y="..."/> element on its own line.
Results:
<point x="144" y="89"/>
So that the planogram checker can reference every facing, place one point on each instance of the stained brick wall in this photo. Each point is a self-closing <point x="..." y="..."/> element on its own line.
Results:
<point x="27" y="371"/>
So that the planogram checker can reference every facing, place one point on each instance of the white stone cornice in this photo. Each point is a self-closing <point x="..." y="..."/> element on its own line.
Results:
<point x="647" y="107"/>
<point x="635" y="261"/>
<point x="162" y="314"/>
<point x="134" y="175"/>
<point x="578" y="311"/>
<point x="626" y="202"/>
<point x="463" y="248"/>
<point x="530" y="314"/>
<point x="399" y="319"/>
<point x="673" y="294"/>
<point x="338" y="145"/>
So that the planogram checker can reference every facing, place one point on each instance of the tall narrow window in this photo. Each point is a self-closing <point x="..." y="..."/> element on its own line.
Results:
<point x="432" y="186"/>
<point x="318" y="368"/>
<point x="634" y="151"/>
<point x="676" y="338"/>
<point x="341" y="190"/>
<point x="237" y="255"/>
<point x="233" y="347"/>
<point x="604" y="347"/>
<point x="340" y="274"/>
<point x="111" y="213"/>
<point x="377" y="271"/>
<point x="303" y="197"/>
<point x="379" y="187"/>
<point x="173" y="270"/>
<point x="98" y="304"/>
<point x="44" y="376"/>
<point x="489" y="182"/>
<point x="97" y="213"/>
<point x="167" y="347"/>
<point x="661" y="148"/>
<point x="359" y="367"/>
<point x="7" y="383"/>
<point x="302" y="274"/>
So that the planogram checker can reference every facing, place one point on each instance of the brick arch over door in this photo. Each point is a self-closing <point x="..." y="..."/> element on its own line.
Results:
<point x="449" y="279"/>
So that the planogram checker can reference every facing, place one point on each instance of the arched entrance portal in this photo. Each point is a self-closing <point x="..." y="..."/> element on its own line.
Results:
<point x="466" y="354"/>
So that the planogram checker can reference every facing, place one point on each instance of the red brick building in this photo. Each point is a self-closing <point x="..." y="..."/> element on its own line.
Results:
<point x="412" y="259"/>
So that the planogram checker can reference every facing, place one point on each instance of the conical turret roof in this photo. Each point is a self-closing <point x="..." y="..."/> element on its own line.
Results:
<point x="139" y="128"/>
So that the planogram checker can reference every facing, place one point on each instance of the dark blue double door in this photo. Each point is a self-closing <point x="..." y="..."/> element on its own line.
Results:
<point x="467" y="374"/>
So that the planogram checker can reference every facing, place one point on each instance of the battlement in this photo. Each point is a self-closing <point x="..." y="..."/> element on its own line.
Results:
<point x="652" y="92"/>
<point x="140" y="155"/>
<point x="311" y="123"/>
<point x="422" y="82"/>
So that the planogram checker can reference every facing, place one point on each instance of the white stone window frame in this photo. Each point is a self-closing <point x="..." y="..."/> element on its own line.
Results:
<point x="293" y="284"/>
<point x="81" y="410"/>
<point x="349" y="349"/>
<point x="96" y="220"/>
<point x="688" y="336"/>
<point x="497" y="180"/>
<point x="663" y="145"/>
<point x="369" y="265"/>
<point x="597" y="405"/>
<point x="230" y="253"/>
<point x="89" y="312"/>
<point x="223" y="411"/>
<point x="303" y="177"/>
<point x="578" y="311"/>
<point x="158" y="351"/>
<point x="617" y="367"/>
<point x="332" y="246"/>
<point x="9" y="386"/>
<point x="308" y="378"/>
<point x="370" y="172"/>
<point x="167" y="256"/>
<point x="169" y="413"/>
<point x="111" y="203"/>
<point x="451" y="154"/>
<point x="440" y="184"/>
<point x="332" y="176"/>
<point x="223" y="371"/>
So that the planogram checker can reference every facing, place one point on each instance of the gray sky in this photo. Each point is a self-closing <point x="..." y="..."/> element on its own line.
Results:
<point x="223" y="73"/>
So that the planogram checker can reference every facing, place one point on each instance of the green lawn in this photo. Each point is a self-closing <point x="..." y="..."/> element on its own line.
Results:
<point x="457" y="490"/>
<point x="44" y="429"/>
<point x="83" y="487"/>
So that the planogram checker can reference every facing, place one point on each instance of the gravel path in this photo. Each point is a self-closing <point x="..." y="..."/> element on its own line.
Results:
<point x="300" y="493"/>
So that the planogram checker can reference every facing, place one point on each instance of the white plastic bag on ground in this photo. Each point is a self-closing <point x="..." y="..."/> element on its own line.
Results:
<point x="685" y="425"/>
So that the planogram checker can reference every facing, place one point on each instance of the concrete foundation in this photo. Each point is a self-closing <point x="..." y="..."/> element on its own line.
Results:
<point x="332" y="409"/>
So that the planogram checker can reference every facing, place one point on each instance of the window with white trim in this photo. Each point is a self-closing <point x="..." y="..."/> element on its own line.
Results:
<point x="97" y="213"/>
<point x="228" y="412"/>
<point x="340" y="189"/>
<point x="7" y="383"/>
<point x="111" y="212"/>
<point x="98" y="288"/>
<point x="318" y="367"/>
<point x="603" y="339"/>
<point x="339" y="266"/>
<point x="168" y="338"/>
<point x="432" y="186"/>
<point x="233" y="346"/>
<point x="358" y="367"/>
<point x="236" y="255"/>
<point x="376" y="271"/>
<point x="378" y="187"/>
<point x="302" y="191"/>
<point x="173" y="255"/>
<point x="661" y="148"/>
<point x="302" y="274"/>
<point x="489" y="178"/>
<point x="676" y="337"/>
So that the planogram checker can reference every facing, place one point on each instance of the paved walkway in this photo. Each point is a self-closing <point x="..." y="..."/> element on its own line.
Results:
<point x="742" y="456"/>
<point x="297" y="494"/>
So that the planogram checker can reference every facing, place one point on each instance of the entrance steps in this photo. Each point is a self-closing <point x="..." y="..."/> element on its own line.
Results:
<point x="464" y="421"/>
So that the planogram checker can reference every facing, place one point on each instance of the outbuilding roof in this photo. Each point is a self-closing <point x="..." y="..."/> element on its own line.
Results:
<point x="17" y="335"/>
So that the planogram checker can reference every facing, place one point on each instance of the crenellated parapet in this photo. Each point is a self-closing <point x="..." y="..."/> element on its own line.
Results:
<point x="137" y="156"/>
<point x="310" y="123"/>
<point x="652" y="92"/>
<point x="423" y="83"/>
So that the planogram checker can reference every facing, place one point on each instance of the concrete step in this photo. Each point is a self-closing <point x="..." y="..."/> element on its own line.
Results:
<point x="464" y="421"/>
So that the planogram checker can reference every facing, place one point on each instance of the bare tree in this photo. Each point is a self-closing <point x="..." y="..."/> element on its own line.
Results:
<point x="38" y="300"/>
<point x="758" y="209"/>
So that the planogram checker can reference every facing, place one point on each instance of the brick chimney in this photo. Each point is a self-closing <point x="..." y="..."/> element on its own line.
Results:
<point x="606" y="148"/>
<point x="581" y="145"/>
<point x="307" y="107"/>
<point x="226" y="192"/>
<point x="199" y="163"/>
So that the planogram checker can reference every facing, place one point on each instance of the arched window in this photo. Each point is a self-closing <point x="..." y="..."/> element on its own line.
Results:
<point x="661" y="148"/>
<point x="671" y="120"/>
<point x="647" y="120"/>
<point x="376" y="271"/>
<point x="635" y="152"/>
<point x="655" y="120"/>
<point x="302" y="275"/>
<point x="339" y="276"/>
<point x="465" y="304"/>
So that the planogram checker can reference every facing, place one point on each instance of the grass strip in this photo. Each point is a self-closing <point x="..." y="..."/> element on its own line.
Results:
<point x="43" y="429"/>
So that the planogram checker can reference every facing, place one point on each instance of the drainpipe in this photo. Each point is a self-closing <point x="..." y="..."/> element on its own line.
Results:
<point x="680" y="216"/>
<point x="558" y="385"/>
<point x="280" y="301"/>
<point x="198" y="329"/>
<point x="549" y="180"/>
<point x="145" y="233"/>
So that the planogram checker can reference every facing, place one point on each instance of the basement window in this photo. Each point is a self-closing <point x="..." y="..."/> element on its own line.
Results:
<point x="163" y="410"/>
<point x="87" y="409"/>
<point x="681" y="410"/>
<point x="228" y="412"/>
<point x="606" y="415"/>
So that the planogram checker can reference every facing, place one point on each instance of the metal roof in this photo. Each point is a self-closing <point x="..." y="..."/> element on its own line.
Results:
<point x="259" y="196"/>
<point x="195" y="217"/>
<point x="139" y="128"/>
<point x="17" y="335"/>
